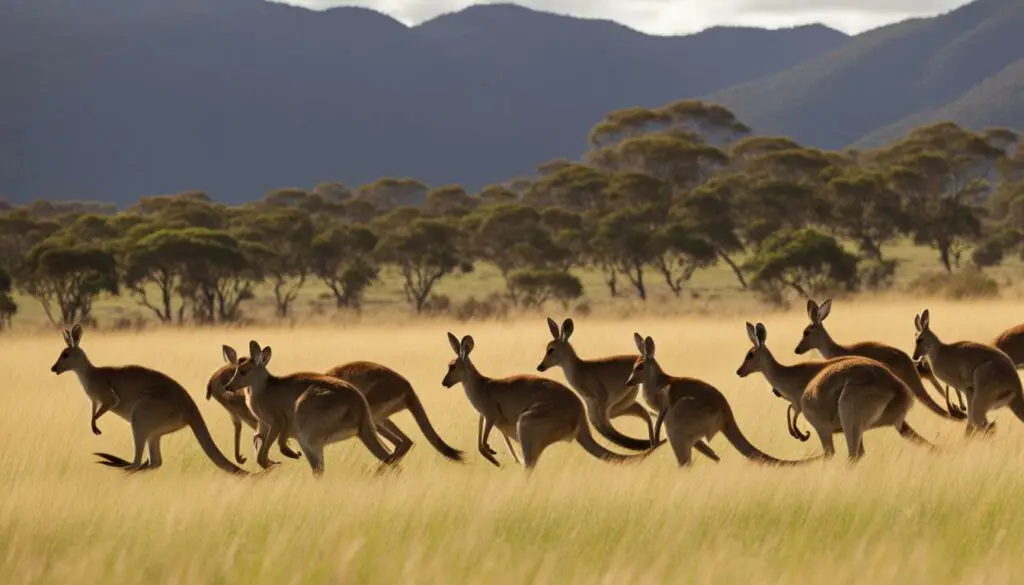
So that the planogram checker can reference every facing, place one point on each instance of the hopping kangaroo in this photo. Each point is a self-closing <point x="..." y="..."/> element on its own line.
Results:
<point x="387" y="393"/>
<point x="536" y="412"/>
<point x="153" y="403"/>
<point x="847" y="394"/>
<point x="235" y="403"/>
<point x="815" y="336"/>
<point x="317" y="410"/>
<point x="986" y="375"/>
<point x="1011" y="342"/>
<point x="602" y="385"/>
<point x="692" y="410"/>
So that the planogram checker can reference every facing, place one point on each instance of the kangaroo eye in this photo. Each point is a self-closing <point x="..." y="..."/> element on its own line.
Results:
<point x="64" y="354"/>
<point x="750" y="354"/>
<point x="806" y="332"/>
<point x="550" y="349"/>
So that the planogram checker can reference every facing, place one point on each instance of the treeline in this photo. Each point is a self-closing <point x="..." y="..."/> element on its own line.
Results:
<point x="662" y="194"/>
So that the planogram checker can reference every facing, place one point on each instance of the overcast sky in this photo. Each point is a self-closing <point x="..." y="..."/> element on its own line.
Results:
<point x="683" y="16"/>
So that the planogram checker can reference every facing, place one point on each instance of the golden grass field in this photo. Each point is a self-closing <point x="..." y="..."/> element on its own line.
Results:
<point x="903" y="515"/>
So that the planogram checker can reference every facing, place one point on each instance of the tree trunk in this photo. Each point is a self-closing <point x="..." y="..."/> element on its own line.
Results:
<point x="735" y="269"/>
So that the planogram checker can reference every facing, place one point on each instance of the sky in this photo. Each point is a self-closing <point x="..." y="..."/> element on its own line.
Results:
<point x="684" y="16"/>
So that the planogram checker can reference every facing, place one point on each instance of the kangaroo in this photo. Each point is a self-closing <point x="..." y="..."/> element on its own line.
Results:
<point x="815" y="336"/>
<point x="847" y="394"/>
<point x="317" y="410"/>
<point x="692" y="409"/>
<point x="1011" y="342"/>
<point x="986" y="375"/>
<point x="153" y="403"/>
<point x="387" y="393"/>
<point x="533" y="411"/>
<point x="235" y="404"/>
<point x="602" y="385"/>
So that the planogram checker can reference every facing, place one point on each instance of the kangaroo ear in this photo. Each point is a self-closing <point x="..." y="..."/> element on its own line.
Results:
<point x="761" y="332"/>
<point x="67" y="339"/>
<point x="567" y="329"/>
<point x="924" y="320"/>
<point x="812" y="310"/>
<point x="824" y="310"/>
<point x="553" y="328"/>
<point x="254" y="351"/>
<point x="76" y="334"/>
<point x="917" y="323"/>
<point x="265" y="356"/>
<point x="639" y="341"/>
<point x="752" y="334"/>
<point x="467" y="346"/>
<point x="230" y="355"/>
<point x="649" y="347"/>
<point x="454" y="342"/>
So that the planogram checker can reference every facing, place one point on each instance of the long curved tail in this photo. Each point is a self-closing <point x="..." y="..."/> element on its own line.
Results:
<point x="202" y="433"/>
<point x="922" y="395"/>
<point x="605" y="428"/>
<point x="586" y="439"/>
<point x="740" y="442"/>
<point x="412" y="402"/>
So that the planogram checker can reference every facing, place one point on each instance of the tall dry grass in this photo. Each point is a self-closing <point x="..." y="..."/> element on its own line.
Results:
<point x="901" y="515"/>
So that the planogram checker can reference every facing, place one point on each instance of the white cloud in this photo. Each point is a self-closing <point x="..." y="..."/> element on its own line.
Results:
<point x="684" y="16"/>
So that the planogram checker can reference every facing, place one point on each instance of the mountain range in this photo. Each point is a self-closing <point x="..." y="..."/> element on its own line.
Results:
<point x="113" y="99"/>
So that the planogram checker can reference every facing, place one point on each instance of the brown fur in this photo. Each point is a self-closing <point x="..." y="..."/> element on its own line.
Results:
<point x="601" y="383"/>
<point x="986" y="375"/>
<point x="815" y="336"/>
<point x="389" y="393"/>
<point x="317" y="410"/>
<point x="534" y="411"/>
<point x="692" y="410"/>
<point x="1011" y="342"/>
<point x="847" y="394"/>
<point x="235" y="403"/>
<point x="152" y="402"/>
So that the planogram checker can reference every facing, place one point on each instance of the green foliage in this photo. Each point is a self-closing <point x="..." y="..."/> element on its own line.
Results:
<point x="286" y="234"/>
<point x="342" y="257"/>
<point x="425" y="251"/>
<point x="805" y="261"/>
<point x="66" y="277"/>
<point x="536" y="287"/>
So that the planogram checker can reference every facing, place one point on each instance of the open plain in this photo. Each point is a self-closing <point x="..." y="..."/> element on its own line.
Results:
<point x="902" y="515"/>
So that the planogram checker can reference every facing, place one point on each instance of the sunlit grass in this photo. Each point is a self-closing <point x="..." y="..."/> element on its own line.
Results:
<point x="902" y="515"/>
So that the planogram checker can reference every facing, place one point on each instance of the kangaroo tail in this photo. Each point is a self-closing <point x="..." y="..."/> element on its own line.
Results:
<point x="202" y="433"/>
<point x="739" y="441"/>
<point x="586" y="439"/>
<point x="919" y="391"/>
<point x="412" y="402"/>
<point x="605" y="428"/>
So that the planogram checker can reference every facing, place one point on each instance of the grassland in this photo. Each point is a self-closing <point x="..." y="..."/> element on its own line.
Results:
<point x="903" y="515"/>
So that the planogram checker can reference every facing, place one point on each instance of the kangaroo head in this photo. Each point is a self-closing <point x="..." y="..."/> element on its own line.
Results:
<point x="754" y="360"/>
<point x="558" y="349"/>
<point x="645" y="366"/>
<point x="814" y="334"/>
<point x="247" y="371"/>
<point x="72" y="357"/>
<point x="458" y="367"/>
<point x="925" y="339"/>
